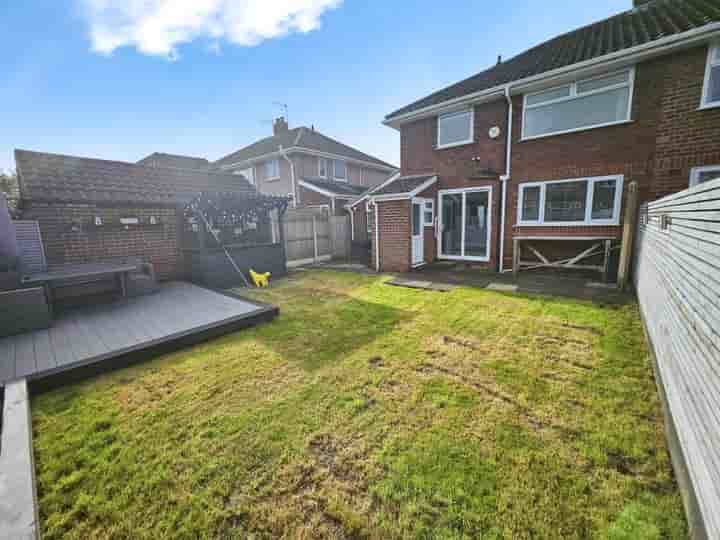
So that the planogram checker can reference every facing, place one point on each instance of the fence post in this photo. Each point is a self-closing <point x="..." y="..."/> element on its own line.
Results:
<point x="626" y="249"/>
<point x="315" y="242"/>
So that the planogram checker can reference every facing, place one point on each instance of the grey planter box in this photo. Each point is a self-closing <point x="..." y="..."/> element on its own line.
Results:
<point x="23" y="310"/>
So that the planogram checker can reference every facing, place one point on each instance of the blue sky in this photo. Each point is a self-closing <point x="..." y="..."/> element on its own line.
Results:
<point x="200" y="91"/>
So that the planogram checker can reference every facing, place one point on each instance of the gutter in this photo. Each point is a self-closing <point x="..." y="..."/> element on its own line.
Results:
<point x="505" y="177"/>
<point x="296" y="193"/>
<point x="627" y="56"/>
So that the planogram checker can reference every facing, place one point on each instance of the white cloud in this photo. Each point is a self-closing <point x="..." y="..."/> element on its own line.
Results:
<point x="157" y="27"/>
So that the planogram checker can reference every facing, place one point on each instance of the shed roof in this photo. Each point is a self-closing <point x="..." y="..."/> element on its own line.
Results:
<point x="643" y="24"/>
<point x="61" y="178"/>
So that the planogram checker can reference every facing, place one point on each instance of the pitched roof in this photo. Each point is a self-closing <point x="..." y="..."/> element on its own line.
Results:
<point x="299" y="137"/>
<point x="638" y="26"/>
<point x="60" y="178"/>
<point x="174" y="161"/>
<point x="403" y="185"/>
<point x="336" y="188"/>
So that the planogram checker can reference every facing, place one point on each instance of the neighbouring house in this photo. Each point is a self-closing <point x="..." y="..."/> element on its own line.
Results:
<point x="94" y="210"/>
<point x="543" y="146"/>
<point x="314" y="169"/>
<point x="175" y="161"/>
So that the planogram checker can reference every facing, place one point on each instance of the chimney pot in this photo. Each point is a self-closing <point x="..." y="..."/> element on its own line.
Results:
<point x="280" y="125"/>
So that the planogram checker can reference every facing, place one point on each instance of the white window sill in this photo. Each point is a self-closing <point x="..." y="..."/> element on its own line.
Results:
<point x="713" y="105"/>
<point x="453" y="145"/>
<point x="569" y="224"/>
<point x="343" y="180"/>
<point x="273" y="179"/>
<point x="576" y="130"/>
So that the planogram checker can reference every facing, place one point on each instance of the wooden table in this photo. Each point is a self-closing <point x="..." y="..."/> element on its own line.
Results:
<point x="569" y="263"/>
<point x="74" y="271"/>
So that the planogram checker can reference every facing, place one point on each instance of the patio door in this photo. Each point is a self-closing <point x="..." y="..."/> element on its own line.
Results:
<point x="465" y="224"/>
<point x="417" y="256"/>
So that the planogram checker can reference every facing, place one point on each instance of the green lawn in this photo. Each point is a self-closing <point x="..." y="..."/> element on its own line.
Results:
<point x="367" y="410"/>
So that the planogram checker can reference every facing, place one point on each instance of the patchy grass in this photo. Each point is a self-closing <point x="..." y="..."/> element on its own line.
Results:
<point x="371" y="411"/>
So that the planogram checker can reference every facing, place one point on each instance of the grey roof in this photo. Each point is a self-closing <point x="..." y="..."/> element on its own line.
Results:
<point x="638" y="26"/>
<point x="403" y="185"/>
<point x="337" y="188"/>
<point x="60" y="178"/>
<point x="300" y="137"/>
<point x="174" y="161"/>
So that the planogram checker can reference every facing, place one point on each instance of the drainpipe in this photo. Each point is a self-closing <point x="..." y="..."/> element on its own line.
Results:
<point x="296" y="193"/>
<point x="377" y="238"/>
<point x="505" y="177"/>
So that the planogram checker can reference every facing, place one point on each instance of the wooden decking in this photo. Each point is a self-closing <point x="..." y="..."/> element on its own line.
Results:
<point x="101" y="333"/>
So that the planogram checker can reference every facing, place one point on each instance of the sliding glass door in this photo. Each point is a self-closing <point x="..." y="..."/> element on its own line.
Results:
<point x="465" y="224"/>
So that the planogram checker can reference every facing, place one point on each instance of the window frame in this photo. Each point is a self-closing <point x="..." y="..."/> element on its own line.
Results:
<point x="574" y="96"/>
<point x="695" y="173"/>
<point x="320" y="168"/>
<point x="265" y="165"/>
<point x="425" y="210"/>
<point x="470" y="140"/>
<point x="713" y="48"/>
<point x="335" y="176"/>
<point x="588" y="221"/>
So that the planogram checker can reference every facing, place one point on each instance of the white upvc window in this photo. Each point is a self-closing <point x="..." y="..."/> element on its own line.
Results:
<point x="248" y="173"/>
<point x="589" y="103"/>
<point x="580" y="201"/>
<point x="455" y="129"/>
<point x="711" y="86"/>
<point x="272" y="169"/>
<point x="698" y="175"/>
<point x="339" y="170"/>
<point x="322" y="167"/>
<point x="429" y="213"/>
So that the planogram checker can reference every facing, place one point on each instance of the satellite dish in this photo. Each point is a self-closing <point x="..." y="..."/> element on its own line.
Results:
<point x="494" y="132"/>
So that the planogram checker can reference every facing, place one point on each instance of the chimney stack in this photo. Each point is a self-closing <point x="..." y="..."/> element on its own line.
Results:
<point x="280" y="125"/>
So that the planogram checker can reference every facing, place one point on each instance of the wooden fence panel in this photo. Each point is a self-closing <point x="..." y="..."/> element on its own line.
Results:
<point x="313" y="236"/>
<point x="677" y="279"/>
<point x="340" y="236"/>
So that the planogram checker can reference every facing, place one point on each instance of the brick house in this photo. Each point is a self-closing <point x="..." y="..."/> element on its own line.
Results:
<point x="314" y="169"/>
<point x="544" y="145"/>
<point x="93" y="210"/>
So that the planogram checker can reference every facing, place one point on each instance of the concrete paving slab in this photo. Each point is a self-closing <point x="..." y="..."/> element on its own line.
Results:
<point x="18" y="500"/>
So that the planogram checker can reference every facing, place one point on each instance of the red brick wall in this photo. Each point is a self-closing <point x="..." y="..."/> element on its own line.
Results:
<point x="473" y="165"/>
<point x="155" y="244"/>
<point x="687" y="137"/>
<point x="419" y="153"/>
<point x="667" y="136"/>
<point x="394" y="217"/>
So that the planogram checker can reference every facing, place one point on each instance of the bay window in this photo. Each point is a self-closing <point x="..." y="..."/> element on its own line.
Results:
<point x="711" y="88"/>
<point x="583" y="201"/>
<point x="595" y="102"/>
<point x="455" y="129"/>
